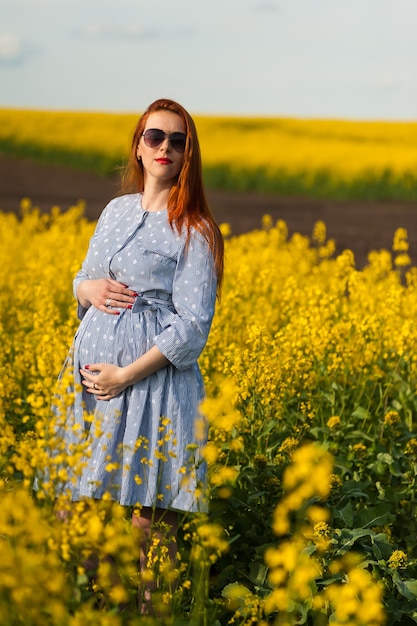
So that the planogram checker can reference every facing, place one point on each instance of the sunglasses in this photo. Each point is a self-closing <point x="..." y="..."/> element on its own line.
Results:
<point x="153" y="138"/>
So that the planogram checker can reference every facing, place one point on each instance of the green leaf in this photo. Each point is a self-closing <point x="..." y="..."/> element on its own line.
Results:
<point x="359" y="434"/>
<point x="361" y="413"/>
<point x="235" y="592"/>
<point x="411" y="585"/>
<point x="407" y="588"/>
<point x="300" y="613"/>
<point x="375" y="516"/>
<point x="355" y="489"/>
<point x="349" y="537"/>
<point x="346" y="514"/>
<point x="385" y="457"/>
<point x="258" y="573"/>
<point x="381" y="546"/>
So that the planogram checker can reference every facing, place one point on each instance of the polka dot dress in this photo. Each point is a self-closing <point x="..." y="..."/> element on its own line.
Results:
<point x="140" y="440"/>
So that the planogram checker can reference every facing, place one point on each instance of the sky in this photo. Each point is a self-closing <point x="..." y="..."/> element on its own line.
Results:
<point x="340" y="59"/>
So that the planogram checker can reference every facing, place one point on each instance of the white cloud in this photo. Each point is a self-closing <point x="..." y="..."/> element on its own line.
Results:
<point x="108" y="31"/>
<point x="386" y="81"/>
<point x="393" y="79"/>
<point x="14" y="51"/>
<point x="11" y="49"/>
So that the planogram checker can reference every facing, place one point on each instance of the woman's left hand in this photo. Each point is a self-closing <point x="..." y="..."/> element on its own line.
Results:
<point x="104" y="380"/>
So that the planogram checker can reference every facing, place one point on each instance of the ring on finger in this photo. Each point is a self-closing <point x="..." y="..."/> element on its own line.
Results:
<point x="107" y="303"/>
<point x="94" y="386"/>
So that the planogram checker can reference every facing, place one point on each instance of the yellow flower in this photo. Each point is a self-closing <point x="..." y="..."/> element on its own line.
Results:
<point x="321" y="529"/>
<point x="335" y="482"/>
<point x="223" y="475"/>
<point x="210" y="452"/>
<point x="319" y="232"/>
<point x="212" y="536"/>
<point x="317" y="514"/>
<point x="398" y="560"/>
<point x="225" y="229"/>
<point x="400" y="242"/>
<point x="333" y="422"/>
<point x="266" y="222"/>
<point x="237" y="445"/>
<point x="359" y="449"/>
<point x="391" y="418"/>
<point x="402" y="260"/>
<point x="260" y="460"/>
<point x="358" y="600"/>
<point x="411" y="447"/>
<point x="288" y="445"/>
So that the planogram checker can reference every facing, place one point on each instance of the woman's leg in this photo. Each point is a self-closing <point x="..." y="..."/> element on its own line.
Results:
<point x="159" y="528"/>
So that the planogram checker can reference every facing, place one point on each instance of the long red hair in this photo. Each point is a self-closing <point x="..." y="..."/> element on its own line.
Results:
<point x="187" y="202"/>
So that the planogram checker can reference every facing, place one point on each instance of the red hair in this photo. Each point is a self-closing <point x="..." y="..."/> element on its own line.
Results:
<point x="187" y="202"/>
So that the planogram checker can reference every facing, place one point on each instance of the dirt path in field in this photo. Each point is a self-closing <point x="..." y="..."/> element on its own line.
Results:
<point x="360" y="226"/>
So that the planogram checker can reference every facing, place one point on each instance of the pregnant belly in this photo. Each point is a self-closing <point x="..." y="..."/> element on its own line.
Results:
<point x="104" y="338"/>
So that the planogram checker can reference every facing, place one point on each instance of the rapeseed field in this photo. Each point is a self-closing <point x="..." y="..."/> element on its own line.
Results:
<point x="310" y="372"/>
<point x="325" y="158"/>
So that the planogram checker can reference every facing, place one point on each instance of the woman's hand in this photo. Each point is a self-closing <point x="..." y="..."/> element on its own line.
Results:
<point x="105" y="294"/>
<point x="104" y="380"/>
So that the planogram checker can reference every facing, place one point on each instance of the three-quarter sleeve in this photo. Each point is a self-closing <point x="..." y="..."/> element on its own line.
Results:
<point x="80" y="276"/>
<point x="194" y="297"/>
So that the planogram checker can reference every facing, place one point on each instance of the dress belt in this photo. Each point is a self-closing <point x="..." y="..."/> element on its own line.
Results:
<point x="157" y="294"/>
<point x="158" y="301"/>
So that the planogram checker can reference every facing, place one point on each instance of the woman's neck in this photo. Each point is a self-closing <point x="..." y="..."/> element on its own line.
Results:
<point x="155" y="199"/>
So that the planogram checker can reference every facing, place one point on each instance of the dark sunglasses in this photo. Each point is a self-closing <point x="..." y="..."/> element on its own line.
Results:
<point x="153" y="138"/>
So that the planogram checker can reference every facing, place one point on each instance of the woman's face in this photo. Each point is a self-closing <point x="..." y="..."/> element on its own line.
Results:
<point x="162" y="162"/>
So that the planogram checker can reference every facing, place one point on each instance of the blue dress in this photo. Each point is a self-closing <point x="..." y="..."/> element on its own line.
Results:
<point x="141" y="442"/>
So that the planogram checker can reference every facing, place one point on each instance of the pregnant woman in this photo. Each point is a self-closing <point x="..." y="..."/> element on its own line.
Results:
<point x="146" y="294"/>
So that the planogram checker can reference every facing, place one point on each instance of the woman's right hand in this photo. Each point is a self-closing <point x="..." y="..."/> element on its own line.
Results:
<point x="105" y="294"/>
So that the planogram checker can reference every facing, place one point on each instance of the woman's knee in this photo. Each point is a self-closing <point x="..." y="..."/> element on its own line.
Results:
<point x="149" y="516"/>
